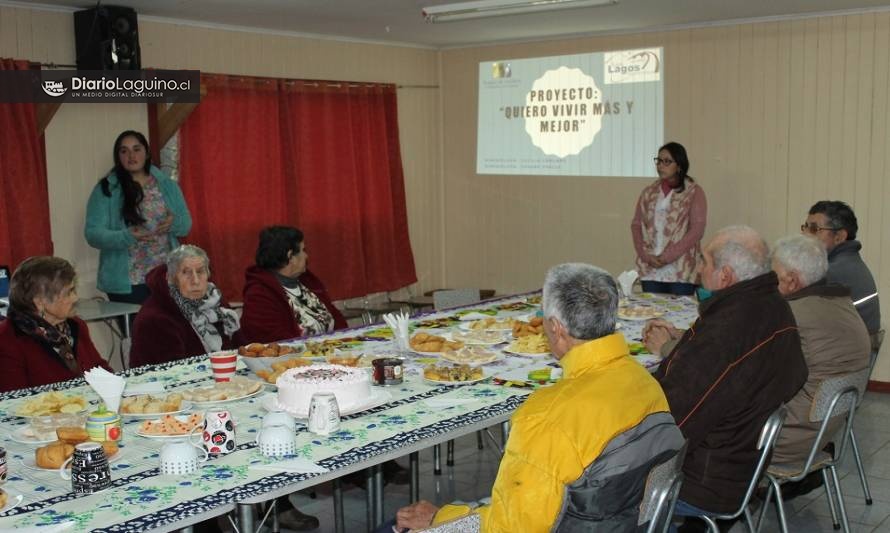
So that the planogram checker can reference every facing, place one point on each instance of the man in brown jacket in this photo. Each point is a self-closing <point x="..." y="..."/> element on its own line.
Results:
<point x="736" y="365"/>
<point x="833" y="337"/>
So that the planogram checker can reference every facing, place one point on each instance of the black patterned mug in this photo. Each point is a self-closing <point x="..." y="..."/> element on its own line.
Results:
<point x="89" y="469"/>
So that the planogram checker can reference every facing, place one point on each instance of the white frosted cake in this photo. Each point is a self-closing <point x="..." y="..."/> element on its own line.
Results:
<point x="351" y="386"/>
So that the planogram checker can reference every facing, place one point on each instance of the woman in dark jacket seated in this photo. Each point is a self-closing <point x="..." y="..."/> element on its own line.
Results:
<point x="282" y="299"/>
<point x="185" y="314"/>
<point x="42" y="341"/>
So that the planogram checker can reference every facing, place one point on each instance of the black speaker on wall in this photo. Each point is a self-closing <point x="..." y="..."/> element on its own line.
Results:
<point x="107" y="38"/>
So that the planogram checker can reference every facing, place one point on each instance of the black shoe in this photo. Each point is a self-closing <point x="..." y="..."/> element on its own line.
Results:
<point x="798" y="488"/>
<point x="294" y="520"/>
<point x="395" y="473"/>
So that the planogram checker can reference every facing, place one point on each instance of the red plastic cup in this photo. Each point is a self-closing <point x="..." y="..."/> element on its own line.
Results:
<point x="223" y="365"/>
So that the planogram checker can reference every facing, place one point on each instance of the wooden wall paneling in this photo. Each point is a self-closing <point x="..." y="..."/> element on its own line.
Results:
<point x="8" y="33"/>
<point x="863" y="59"/>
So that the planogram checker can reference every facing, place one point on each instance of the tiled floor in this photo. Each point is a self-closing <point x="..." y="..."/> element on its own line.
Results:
<point x="475" y="470"/>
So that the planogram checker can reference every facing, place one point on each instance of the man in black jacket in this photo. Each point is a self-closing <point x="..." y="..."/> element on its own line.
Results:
<point x="733" y="368"/>
<point x="834" y="224"/>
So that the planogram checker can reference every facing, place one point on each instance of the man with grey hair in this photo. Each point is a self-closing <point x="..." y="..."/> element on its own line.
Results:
<point x="579" y="452"/>
<point x="730" y="370"/>
<point x="833" y="337"/>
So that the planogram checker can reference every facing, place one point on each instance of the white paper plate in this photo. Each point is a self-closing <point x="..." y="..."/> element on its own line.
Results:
<point x="521" y="374"/>
<point x="31" y="462"/>
<point x="485" y="375"/>
<point x="468" y="326"/>
<point x="13" y="499"/>
<point x="655" y="313"/>
<point x="228" y="400"/>
<point x="526" y="354"/>
<point x="24" y="435"/>
<point x="13" y="412"/>
<point x="477" y="342"/>
<point x="378" y="397"/>
<point x="181" y="418"/>
<point x="184" y="407"/>
<point x="498" y="357"/>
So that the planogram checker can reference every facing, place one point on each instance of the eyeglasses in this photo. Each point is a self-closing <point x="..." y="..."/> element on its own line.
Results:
<point x="812" y="227"/>
<point x="664" y="162"/>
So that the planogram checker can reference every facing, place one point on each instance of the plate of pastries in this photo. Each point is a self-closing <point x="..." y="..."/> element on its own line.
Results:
<point x="270" y="375"/>
<point x="171" y="426"/>
<point x="428" y="344"/>
<point x="529" y="346"/>
<point x="237" y="388"/>
<point x="51" y="456"/>
<point x="453" y="375"/>
<point x="639" y="312"/>
<point x="152" y="406"/>
<point x="489" y="324"/>
<point x="49" y="403"/>
<point x="471" y="355"/>
<point x="258" y="356"/>
<point x="534" y="326"/>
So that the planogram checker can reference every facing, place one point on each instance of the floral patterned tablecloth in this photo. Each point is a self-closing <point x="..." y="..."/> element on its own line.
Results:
<point x="141" y="498"/>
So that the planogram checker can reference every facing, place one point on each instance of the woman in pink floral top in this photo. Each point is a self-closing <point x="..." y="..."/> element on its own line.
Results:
<point x="668" y="225"/>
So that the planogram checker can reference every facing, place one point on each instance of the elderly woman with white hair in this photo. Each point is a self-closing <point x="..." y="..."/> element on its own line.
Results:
<point x="833" y="337"/>
<point x="185" y="315"/>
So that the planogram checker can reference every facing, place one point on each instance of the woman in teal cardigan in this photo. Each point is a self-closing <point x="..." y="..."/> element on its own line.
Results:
<point x="134" y="216"/>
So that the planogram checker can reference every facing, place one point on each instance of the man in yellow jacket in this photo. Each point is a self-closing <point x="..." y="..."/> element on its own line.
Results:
<point x="579" y="451"/>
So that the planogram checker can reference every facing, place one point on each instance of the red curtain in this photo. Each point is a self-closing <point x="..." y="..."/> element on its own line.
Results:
<point x="320" y="156"/>
<point x="231" y="175"/>
<point x="24" y="198"/>
<point x="344" y="157"/>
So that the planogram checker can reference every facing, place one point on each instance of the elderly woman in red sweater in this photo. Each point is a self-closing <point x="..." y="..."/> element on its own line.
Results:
<point x="42" y="342"/>
<point x="185" y="314"/>
<point x="283" y="300"/>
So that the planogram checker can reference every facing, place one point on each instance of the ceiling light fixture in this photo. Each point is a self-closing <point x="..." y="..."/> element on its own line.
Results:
<point x="497" y="8"/>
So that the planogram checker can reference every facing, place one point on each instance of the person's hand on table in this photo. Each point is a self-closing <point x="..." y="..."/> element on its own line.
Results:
<point x="416" y="516"/>
<point x="658" y="331"/>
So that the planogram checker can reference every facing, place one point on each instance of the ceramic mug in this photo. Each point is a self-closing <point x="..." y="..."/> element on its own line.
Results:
<point x="276" y="441"/>
<point x="324" y="414"/>
<point x="181" y="456"/>
<point x="89" y="469"/>
<point x="218" y="432"/>
<point x="279" y="418"/>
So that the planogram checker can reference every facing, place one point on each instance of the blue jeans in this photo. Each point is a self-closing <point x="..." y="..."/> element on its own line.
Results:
<point x="686" y="509"/>
<point x="677" y="288"/>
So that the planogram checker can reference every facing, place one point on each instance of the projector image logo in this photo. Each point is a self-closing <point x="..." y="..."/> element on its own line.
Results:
<point x="501" y="70"/>
<point x="54" y="88"/>
<point x="632" y="66"/>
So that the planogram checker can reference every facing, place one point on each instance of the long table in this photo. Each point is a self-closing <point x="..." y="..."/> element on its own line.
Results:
<point x="142" y="499"/>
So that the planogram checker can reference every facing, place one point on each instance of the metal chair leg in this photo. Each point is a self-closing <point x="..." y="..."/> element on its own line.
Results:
<point x="479" y="441"/>
<point x="378" y="496"/>
<point x="414" y="471"/>
<point x="862" y="479"/>
<point x="449" y="456"/>
<point x="840" y="500"/>
<point x="780" y="506"/>
<point x="827" y="482"/>
<point x="437" y="459"/>
<point x="761" y="518"/>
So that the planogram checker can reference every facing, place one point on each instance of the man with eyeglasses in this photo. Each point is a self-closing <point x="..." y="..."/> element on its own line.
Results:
<point x="834" y="224"/>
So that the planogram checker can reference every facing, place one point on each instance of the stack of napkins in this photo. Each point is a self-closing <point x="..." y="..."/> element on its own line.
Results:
<point x="398" y="323"/>
<point x="108" y="386"/>
<point x="626" y="281"/>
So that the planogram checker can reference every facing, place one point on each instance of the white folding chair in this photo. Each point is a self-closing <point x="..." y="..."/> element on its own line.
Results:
<point x="660" y="496"/>
<point x="451" y="298"/>
<point x="765" y="443"/>
<point x="853" y="445"/>
<point x="835" y="397"/>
